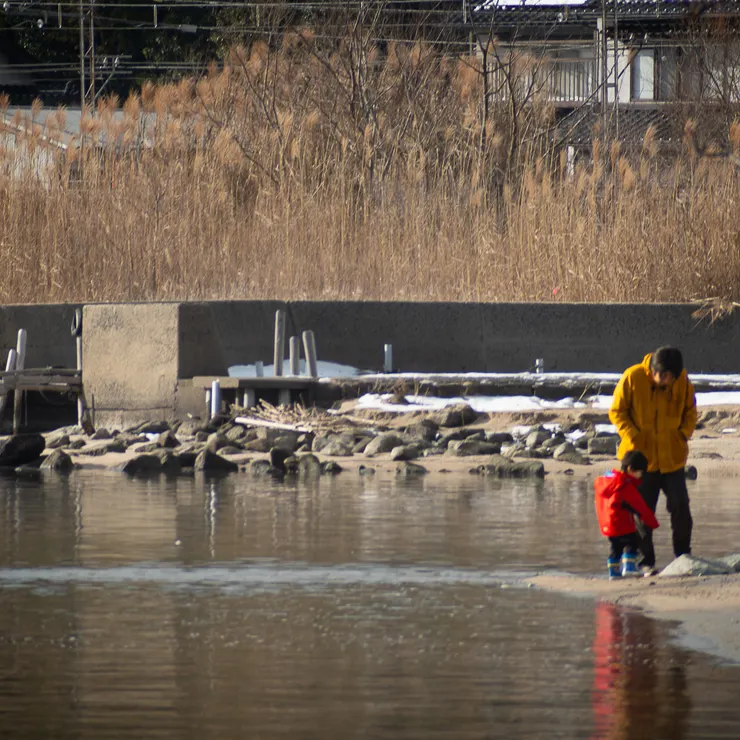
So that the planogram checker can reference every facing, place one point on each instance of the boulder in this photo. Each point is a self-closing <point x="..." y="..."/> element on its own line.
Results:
<point x="308" y="467"/>
<point x="77" y="444"/>
<point x="287" y="441"/>
<point x="337" y="446"/>
<point x="553" y="442"/>
<point x="499" y="466"/>
<point x="425" y="430"/>
<point x="582" y="442"/>
<point x="533" y="453"/>
<point x="383" y="443"/>
<point x="103" y="448"/>
<point x="216" y="441"/>
<point x="188" y="455"/>
<point x="537" y="437"/>
<point x="574" y="458"/>
<point x="606" y="445"/>
<point x="513" y="450"/>
<point x="56" y="440"/>
<point x="470" y="447"/>
<point x="499" y="437"/>
<point x="260" y="468"/>
<point x="171" y="462"/>
<point x="230" y="450"/>
<point x="361" y="445"/>
<point x="147" y="448"/>
<point x="21" y="449"/>
<point x="168" y="440"/>
<point x="189" y="427"/>
<point x="410" y="470"/>
<point x="456" y="416"/>
<point x="210" y="462"/>
<point x="235" y="433"/>
<point x="59" y="461"/>
<point x="406" y="452"/>
<point x="689" y="565"/>
<point x="566" y="448"/>
<point x="731" y="561"/>
<point x="101" y="433"/>
<point x="260" y="444"/>
<point x="331" y="468"/>
<point x="141" y="465"/>
<point x="150" y="427"/>
<point x="131" y="439"/>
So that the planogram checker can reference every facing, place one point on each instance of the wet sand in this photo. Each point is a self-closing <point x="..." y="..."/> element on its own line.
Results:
<point x="706" y="608"/>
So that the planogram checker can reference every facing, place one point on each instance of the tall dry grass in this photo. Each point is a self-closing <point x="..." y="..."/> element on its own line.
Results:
<point x="296" y="172"/>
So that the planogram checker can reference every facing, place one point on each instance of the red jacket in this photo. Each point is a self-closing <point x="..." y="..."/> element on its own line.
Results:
<point x="617" y="498"/>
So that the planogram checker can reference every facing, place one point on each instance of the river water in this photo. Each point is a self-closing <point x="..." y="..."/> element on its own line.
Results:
<point x="351" y="608"/>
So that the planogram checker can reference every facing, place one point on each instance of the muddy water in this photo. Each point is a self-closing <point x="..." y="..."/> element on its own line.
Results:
<point x="357" y="608"/>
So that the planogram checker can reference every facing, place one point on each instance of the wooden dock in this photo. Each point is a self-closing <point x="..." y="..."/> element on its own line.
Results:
<point x="57" y="380"/>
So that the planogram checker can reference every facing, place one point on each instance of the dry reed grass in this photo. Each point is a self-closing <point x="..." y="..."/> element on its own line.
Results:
<point x="356" y="173"/>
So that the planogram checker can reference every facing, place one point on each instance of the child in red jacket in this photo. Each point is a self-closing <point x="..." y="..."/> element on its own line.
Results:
<point x="617" y="501"/>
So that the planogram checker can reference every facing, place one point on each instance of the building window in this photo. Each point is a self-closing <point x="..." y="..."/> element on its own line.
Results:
<point x="643" y="75"/>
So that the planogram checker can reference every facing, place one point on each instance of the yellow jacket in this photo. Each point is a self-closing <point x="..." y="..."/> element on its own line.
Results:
<point x="657" y="421"/>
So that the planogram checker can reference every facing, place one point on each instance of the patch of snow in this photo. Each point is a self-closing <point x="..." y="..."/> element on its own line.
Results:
<point x="608" y="428"/>
<point x="718" y="398"/>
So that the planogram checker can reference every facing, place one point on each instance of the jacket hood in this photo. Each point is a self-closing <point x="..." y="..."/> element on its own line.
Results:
<point x="646" y="366"/>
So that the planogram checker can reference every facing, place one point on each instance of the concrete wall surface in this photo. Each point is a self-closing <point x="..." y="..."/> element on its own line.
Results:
<point x="457" y="337"/>
<point x="48" y="342"/>
<point x="130" y="361"/>
<point x="135" y="354"/>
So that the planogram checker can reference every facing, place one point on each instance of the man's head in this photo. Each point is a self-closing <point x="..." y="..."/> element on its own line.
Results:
<point x="666" y="365"/>
<point x="634" y="463"/>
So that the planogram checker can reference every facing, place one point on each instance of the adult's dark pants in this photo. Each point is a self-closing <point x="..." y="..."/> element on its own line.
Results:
<point x="673" y="486"/>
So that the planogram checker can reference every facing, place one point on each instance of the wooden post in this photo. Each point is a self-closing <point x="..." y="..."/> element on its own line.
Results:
<point x="9" y="367"/>
<point x="284" y="397"/>
<point x="309" y="348"/>
<point x="279" y="353"/>
<point x="20" y="361"/>
<point x="80" y="403"/>
<point x="250" y="398"/>
<point x="259" y="369"/>
<point x="295" y="355"/>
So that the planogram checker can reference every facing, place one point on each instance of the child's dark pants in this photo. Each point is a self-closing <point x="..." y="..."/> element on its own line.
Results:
<point x="624" y="543"/>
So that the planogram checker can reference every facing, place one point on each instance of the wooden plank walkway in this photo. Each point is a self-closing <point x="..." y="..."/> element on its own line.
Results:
<point x="59" y="380"/>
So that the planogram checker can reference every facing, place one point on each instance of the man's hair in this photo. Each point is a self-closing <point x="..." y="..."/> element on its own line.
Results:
<point x="634" y="460"/>
<point x="667" y="360"/>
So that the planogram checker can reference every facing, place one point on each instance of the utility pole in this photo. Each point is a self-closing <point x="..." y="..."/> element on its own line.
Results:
<point x="82" y="57"/>
<point x="87" y="54"/>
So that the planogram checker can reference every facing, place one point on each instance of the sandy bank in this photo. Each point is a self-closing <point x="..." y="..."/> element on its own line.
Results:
<point x="707" y="608"/>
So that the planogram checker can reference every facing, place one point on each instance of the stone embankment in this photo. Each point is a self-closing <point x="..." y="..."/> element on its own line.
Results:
<point x="286" y="442"/>
<point x="319" y="443"/>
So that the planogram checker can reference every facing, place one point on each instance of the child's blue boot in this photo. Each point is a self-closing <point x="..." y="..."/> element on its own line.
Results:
<point x="614" y="567"/>
<point x="629" y="565"/>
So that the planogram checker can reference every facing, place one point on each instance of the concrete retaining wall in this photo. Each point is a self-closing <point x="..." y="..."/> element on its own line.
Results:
<point x="135" y="355"/>
<point x="457" y="337"/>
<point x="49" y="342"/>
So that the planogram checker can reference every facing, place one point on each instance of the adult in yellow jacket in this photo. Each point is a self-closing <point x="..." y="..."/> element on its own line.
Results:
<point x="654" y="410"/>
